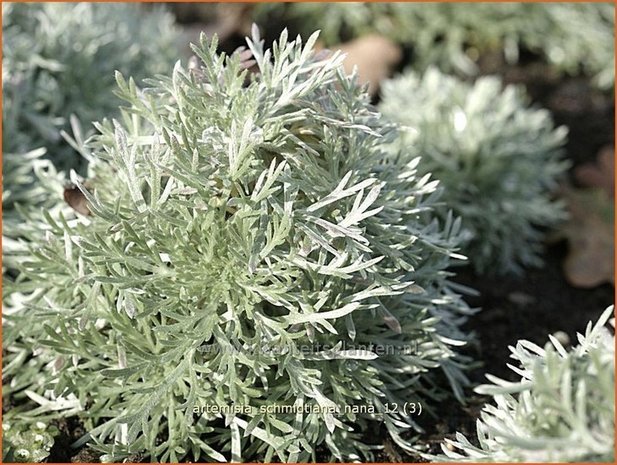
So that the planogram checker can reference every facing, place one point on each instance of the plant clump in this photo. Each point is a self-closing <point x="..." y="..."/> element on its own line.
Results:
<point x="261" y="275"/>
<point x="57" y="70"/>
<point x="561" y="410"/>
<point x="497" y="158"/>
<point x="32" y="444"/>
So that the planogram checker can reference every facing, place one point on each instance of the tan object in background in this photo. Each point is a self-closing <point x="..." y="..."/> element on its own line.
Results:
<point x="374" y="56"/>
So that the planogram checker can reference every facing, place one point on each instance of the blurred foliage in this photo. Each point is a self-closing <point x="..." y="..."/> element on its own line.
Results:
<point x="496" y="157"/>
<point x="26" y="443"/>
<point x="574" y="37"/>
<point x="59" y="60"/>
<point x="30" y="185"/>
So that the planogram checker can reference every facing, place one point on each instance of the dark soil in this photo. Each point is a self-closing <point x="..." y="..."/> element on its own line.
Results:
<point x="71" y="430"/>
<point x="530" y="307"/>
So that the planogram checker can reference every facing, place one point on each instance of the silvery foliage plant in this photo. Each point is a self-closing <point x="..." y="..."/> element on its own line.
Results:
<point x="497" y="158"/>
<point x="254" y="247"/>
<point x="561" y="410"/>
<point x="32" y="444"/>
<point x="30" y="184"/>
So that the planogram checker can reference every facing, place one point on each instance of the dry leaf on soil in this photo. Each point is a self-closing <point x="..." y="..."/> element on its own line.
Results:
<point x="590" y="230"/>
<point x="600" y="174"/>
<point x="374" y="56"/>
<point x="590" y="235"/>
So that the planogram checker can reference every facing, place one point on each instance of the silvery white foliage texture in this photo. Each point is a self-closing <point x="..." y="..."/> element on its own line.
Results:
<point x="58" y="65"/>
<point x="496" y="157"/>
<point x="30" y="183"/>
<point x="253" y="242"/>
<point x="573" y="37"/>
<point x="58" y="69"/>
<point x="26" y="445"/>
<point x="580" y="38"/>
<point x="561" y="410"/>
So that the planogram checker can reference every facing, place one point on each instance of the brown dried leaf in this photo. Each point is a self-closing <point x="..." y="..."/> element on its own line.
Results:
<point x="601" y="173"/>
<point x="375" y="58"/>
<point x="76" y="199"/>
<point x="590" y="233"/>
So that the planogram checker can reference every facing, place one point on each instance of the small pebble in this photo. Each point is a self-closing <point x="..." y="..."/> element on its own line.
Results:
<point x="521" y="299"/>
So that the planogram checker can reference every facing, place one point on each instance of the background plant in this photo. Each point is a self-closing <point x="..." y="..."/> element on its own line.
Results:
<point x="30" y="184"/>
<point x="561" y="410"/>
<point x="497" y="158"/>
<point x="574" y="38"/>
<point x="59" y="60"/>
<point x="26" y="445"/>
<point x="235" y="219"/>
